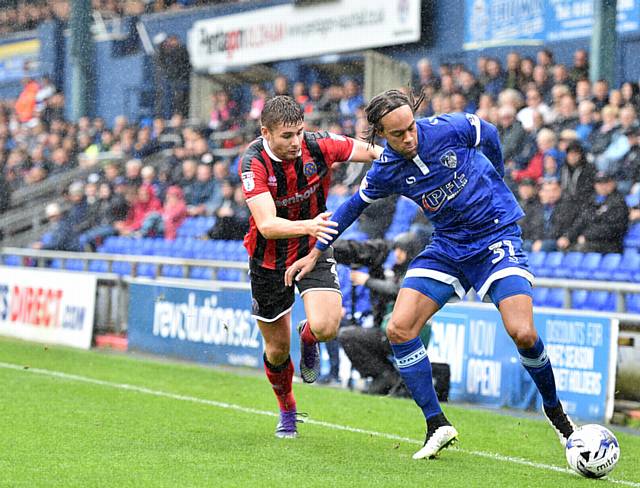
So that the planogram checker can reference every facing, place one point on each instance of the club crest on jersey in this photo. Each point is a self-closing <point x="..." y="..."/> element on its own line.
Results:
<point x="309" y="169"/>
<point x="272" y="181"/>
<point x="247" y="180"/>
<point x="449" y="159"/>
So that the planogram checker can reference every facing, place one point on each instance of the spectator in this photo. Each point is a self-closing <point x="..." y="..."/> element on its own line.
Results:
<point x="280" y="85"/>
<point x="173" y="74"/>
<point x="145" y="145"/>
<point x="627" y="172"/>
<point x="542" y="83"/>
<point x="512" y="134"/>
<point x="132" y="170"/>
<point x="223" y="112"/>
<point x="534" y="104"/>
<point x="586" y="121"/>
<point x="60" y="236"/>
<point x="601" y="137"/>
<point x="602" y="224"/>
<point x="565" y="113"/>
<point x="205" y="195"/>
<point x="141" y="205"/>
<point x="165" y="223"/>
<point x="232" y="215"/>
<point x="577" y="175"/>
<point x="619" y="145"/>
<point x="545" y="141"/>
<point x="26" y="104"/>
<point x="104" y="214"/>
<point x="351" y="100"/>
<point x="495" y="78"/>
<point x="547" y="220"/>
<point x="513" y="76"/>
<point x="630" y="94"/>
<point x="426" y="78"/>
<point x="580" y="69"/>
<point x="600" y="94"/>
<point x="258" y="98"/>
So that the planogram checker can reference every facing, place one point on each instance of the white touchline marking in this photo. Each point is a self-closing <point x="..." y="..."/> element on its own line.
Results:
<point x="328" y="425"/>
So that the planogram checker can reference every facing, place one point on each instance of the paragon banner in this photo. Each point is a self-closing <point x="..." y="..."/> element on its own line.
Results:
<point x="289" y="32"/>
<point x="47" y="306"/>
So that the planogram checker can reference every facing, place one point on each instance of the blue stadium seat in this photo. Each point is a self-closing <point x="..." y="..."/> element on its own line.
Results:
<point x="570" y="262"/>
<point x="55" y="264"/>
<point x="607" y="267"/>
<point x="12" y="261"/>
<point x="540" y="296"/>
<point x="551" y="262"/>
<point x="588" y="266"/>
<point x="99" y="266"/>
<point x="579" y="299"/>
<point x="629" y="266"/>
<point x="633" y="302"/>
<point x="555" y="298"/>
<point x="122" y="268"/>
<point x="536" y="260"/>
<point x="601" y="300"/>
<point x="632" y="238"/>
<point x="146" y="269"/>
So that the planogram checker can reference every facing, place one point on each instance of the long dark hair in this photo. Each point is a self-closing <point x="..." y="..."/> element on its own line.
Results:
<point x="386" y="102"/>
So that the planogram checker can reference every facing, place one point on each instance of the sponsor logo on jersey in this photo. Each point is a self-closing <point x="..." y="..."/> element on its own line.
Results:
<point x="272" y="181"/>
<point x="309" y="169"/>
<point x="433" y="200"/>
<point x="297" y="197"/>
<point x="449" y="159"/>
<point x="247" y="180"/>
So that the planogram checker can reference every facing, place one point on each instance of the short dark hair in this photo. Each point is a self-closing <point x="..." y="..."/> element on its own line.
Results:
<point x="281" y="109"/>
<point x="386" y="102"/>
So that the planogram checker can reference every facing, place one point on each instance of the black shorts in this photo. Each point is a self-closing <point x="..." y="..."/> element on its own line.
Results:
<point x="271" y="299"/>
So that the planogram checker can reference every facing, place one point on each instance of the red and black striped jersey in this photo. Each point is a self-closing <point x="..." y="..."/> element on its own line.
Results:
<point x="299" y="189"/>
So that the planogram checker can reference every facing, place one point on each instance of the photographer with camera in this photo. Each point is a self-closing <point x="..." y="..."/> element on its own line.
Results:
<point x="368" y="349"/>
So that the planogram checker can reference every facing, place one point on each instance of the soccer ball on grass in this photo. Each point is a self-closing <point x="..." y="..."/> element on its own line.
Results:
<point x="592" y="451"/>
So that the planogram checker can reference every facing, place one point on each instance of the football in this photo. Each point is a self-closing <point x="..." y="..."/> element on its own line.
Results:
<point x="592" y="451"/>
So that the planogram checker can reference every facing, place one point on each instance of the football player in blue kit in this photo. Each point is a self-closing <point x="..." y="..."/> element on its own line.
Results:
<point x="451" y="166"/>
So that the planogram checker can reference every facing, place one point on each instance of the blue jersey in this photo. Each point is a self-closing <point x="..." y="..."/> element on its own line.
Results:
<point x="459" y="188"/>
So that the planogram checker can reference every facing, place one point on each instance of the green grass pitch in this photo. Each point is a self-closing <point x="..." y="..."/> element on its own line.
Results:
<point x="76" y="418"/>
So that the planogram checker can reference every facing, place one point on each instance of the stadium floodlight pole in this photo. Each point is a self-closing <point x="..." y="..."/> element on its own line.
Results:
<point x="82" y="58"/>
<point x="603" y="56"/>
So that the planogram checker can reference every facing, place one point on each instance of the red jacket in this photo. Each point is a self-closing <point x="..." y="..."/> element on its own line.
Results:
<point x="533" y="170"/>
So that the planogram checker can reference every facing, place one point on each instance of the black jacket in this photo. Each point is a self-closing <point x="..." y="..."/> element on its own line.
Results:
<point x="603" y="224"/>
<point x="562" y="216"/>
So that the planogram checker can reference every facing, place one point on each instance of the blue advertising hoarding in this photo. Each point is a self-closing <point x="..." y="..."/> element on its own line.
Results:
<point x="490" y="23"/>
<point x="205" y="325"/>
<point x="215" y="326"/>
<point x="485" y="367"/>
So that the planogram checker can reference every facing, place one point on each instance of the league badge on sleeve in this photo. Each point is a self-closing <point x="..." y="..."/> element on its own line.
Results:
<point x="247" y="180"/>
<point x="449" y="159"/>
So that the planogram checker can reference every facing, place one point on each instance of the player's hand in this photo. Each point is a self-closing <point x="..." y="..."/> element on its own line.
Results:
<point x="359" y="277"/>
<point x="301" y="267"/>
<point x="322" y="228"/>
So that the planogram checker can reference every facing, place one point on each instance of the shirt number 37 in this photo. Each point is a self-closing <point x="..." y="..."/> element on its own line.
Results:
<point x="498" y="249"/>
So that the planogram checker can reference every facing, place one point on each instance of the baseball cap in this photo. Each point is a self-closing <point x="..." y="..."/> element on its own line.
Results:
<point x="602" y="177"/>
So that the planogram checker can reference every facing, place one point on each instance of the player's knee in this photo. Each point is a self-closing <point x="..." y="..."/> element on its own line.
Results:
<point x="524" y="338"/>
<point x="398" y="333"/>
<point x="325" y="329"/>
<point x="277" y="353"/>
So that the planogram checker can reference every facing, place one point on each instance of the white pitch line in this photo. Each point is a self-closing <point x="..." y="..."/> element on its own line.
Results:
<point x="328" y="425"/>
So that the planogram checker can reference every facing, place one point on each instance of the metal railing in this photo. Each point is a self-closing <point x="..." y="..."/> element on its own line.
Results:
<point x="40" y="258"/>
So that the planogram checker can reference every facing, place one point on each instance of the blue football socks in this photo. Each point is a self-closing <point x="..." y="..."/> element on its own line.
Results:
<point x="415" y="369"/>
<point x="537" y="364"/>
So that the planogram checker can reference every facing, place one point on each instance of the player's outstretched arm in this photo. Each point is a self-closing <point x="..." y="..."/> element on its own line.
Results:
<point x="363" y="152"/>
<point x="263" y="210"/>
<point x="346" y="214"/>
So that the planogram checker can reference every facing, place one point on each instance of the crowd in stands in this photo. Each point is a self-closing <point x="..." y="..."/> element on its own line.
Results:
<point x="571" y="151"/>
<point x="24" y="15"/>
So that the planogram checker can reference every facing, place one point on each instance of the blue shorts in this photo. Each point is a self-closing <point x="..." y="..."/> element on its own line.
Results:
<point x="501" y="256"/>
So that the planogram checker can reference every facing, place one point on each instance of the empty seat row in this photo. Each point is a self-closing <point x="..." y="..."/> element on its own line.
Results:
<point x="586" y="266"/>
